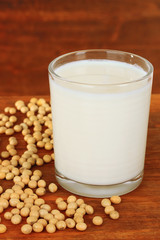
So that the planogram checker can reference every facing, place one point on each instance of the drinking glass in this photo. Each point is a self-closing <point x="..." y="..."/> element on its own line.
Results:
<point x="100" y="108"/>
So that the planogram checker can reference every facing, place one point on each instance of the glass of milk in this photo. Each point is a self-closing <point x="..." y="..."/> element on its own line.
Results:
<point x="100" y="107"/>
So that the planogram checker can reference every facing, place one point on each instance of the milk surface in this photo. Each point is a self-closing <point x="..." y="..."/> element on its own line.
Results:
<point x="99" y="130"/>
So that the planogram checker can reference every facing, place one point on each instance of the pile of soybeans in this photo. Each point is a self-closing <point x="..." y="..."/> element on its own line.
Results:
<point x="25" y="198"/>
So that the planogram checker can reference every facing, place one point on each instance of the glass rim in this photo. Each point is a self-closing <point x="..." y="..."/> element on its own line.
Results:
<point x="52" y="72"/>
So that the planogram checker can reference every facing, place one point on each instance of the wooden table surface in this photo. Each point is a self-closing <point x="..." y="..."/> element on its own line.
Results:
<point x="139" y="210"/>
<point x="32" y="33"/>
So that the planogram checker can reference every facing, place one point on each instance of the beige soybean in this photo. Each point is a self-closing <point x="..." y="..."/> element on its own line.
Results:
<point x="33" y="100"/>
<point x="47" y="158"/>
<point x="82" y="211"/>
<point x="16" y="219"/>
<point x="79" y="201"/>
<point x="39" y="201"/>
<point x="17" y="128"/>
<point x="35" y="208"/>
<point x="13" y="202"/>
<point x="72" y="205"/>
<point x="50" y="228"/>
<point x="9" y="124"/>
<point x="40" y="191"/>
<point x="53" y="188"/>
<point x="20" y="205"/>
<point x="5" y="154"/>
<point x="28" y="191"/>
<point x="37" y="172"/>
<point x="29" y="200"/>
<point x="105" y="202"/>
<point x="53" y="220"/>
<point x="79" y="219"/>
<point x="15" y="171"/>
<point x="52" y="156"/>
<point x="40" y="144"/>
<point x="70" y="223"/>
<point x="19" y="103"/>
<point x="5" y="163"/>
<point x="26" y="165"/>
<point x="1" y="209"/>
<point x="9" y="176"/>
<point x="9" y="131"/>
<point x="26" y="229"/>
<point x="12" y="110"/>
<point x="31" y="161"/>
<point x="48" y="216"/>
<point x="8" y="215"/>
<point x="1" y="189"/>
<point x="27" y="172"/>
<point x="42" y="212"/>
<point x="3" y="228"/>
<point x="31" y="220"/>
<point x="46" y="207"/>
<point x="37" y="227"/>
<point x="32" y="184"/>
<point x="42" y="183"/>
<point x="59" y="199"/>
<point x="13" y="119"/>
<point x="4" y="203"/>
<point x="89" y="209"/>
<point x="17" y="179"/>
<point x="9" y="190"/>
<point x="35" y="177"/>
<point x="115" y="199"/>
<point x="10" y="167"/>
<point x="59" y="216"/>
<point x="41" y="101"/>
<point x="39" y="162"/>
<point x="55" y="211"/>
<point x="70" y="212"/>
<point x="2" y="123"/>
<point x="5" y="118"/>
<point x="19" y="191"/>
<point x="97" y="220"/>
<point x="28" y="205"/>
<point x="62" y="205"/>
<point x="114" y="215"/>
<point x="71" y="198"/>
<point x="42" y="221"/>
<point x="5" y="195"/>
<point x="2" y="130"/>
<point x="25" y="179"/>
<point x="24" y="109"/>
<point x="34" y="214"/>
<point x="48" y="146"/>
<point x="33" y="196"/>
<point x="2" y="175"/>
<point x="61" y="225"/>
<point x="14" y="195"/>
<point x="81" y="226"/>
<point x="108" y="209"/>
<point x="23" y="196"/>
<point x="25" y="212"/>
<point x="15" y="211"/>
<point x="20" y="185"/>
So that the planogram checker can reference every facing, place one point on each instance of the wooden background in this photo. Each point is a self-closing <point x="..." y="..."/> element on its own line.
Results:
<point x="34" y="32"/>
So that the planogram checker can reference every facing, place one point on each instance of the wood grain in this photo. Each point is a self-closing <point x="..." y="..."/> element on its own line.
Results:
<point x="139" y="210"/>
<point x="32" y="33"/>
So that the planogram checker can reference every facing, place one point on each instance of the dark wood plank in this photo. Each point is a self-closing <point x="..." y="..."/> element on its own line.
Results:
<point x="32" y="33"/>
<point x="139" y="210"/>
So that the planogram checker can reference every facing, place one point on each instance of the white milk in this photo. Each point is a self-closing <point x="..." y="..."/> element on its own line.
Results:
<point x="100" y="132"/>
